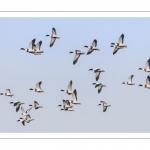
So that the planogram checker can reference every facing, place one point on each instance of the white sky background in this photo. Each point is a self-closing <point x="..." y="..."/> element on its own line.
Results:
<point x="128" y="5"/>
<point x="129" y="105"/>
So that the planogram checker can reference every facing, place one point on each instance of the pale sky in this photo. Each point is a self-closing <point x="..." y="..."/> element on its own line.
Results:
<point x="129" y="111"/>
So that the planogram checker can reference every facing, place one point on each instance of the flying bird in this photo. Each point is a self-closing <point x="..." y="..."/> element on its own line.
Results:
<point x="100" y="86"/>
<point x="22" y="120"/>
<point x="92" y="47"/>
<point x="97" y="72"/>
<point x="147" y="66"/>
<point x="129" y="82"/>
<point x="17" y="104"/>
<point x="30" y="47"/>
<point x="53" y="37"/>
<point x="118" y="45"/>
<point x="69" y="89"/>
<point x="77" y="55"/>
<point x="147" y="84"/>
<point x="25" y="113"/>
<point x="38" y="87"/>
<point x="28" y="118"/>
<point x="36" y="105"/>
<point x="65" y="105"/>
<point x="36" y="49"/>
<point x="74" y="98"/>
<point x="7" y="93"/>
<point x="69" y="108"/>
<point x="105" y="105"/>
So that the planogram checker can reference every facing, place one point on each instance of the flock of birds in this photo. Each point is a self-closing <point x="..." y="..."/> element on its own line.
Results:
<point x="66" y="104"/>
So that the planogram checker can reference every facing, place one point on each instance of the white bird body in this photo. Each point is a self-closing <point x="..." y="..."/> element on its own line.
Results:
<point x="69" y="109"/>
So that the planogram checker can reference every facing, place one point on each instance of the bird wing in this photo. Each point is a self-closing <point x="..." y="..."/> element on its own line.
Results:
<point x="96" y="70"/>
<point x="76" y="57"/>
<point x="22" y="110"/>
<point x="97" y="84"/>
<point x="94" y="43"/>
<point x="52" y="41"/>
<point x="8" y="91"/>
<point x="74" y="95"/>
<point x="104" y="108"/>
<point x="36" y="103"/>
<point x="99" y="89"/>
<point x="31" y="44"/>
<point x="148" y="64"/>
<point x="16" y="102"/>
<point x="28" y="117"/>
<point x="148" y="80"/>
<point x="54" y="31"/>
<point x="23" y="122"/>
<point x="38" y="85"/>
<point x="89" y="51"/>
<point x="17" y="107"/>
<point x="121" y="39"/>
<point x="64" y="102"/>
<point x="103" y="102"/>
<point x="67" y="102"/>
<point x="28" y="110"/>
<point x="130" y="78"/>
<point x="70" y="86"/>
<point x="38" y="45"/>
<point x="115" y="50"/>
<point x="70" y="109"/>
<point x="97" y="75"/>
<point x="77" y="51"/>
